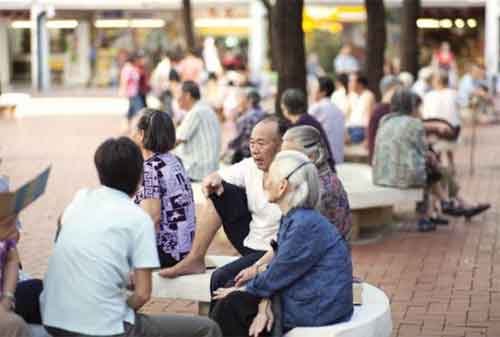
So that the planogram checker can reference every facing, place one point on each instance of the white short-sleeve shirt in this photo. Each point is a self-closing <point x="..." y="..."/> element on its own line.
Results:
<point x="104" y="236"/>
<point x="265" y="215"/>
<point x="442" y="104"/>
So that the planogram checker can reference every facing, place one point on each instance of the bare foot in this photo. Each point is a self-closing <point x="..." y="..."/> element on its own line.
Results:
<point x="185" y="267"/>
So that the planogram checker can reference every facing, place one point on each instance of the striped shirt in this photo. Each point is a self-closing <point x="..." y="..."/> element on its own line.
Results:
<point x="201" y="133"/>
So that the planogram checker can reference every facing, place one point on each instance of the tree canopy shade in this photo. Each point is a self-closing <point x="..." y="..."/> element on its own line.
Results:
<point x="188" y="24"/>
<point x="409" y="38"/>
<point x="375" y="44"/>
<point x="288" y="44"/>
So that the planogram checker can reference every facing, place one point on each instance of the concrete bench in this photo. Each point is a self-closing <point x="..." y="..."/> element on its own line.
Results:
<point x="371" y="205"/>
<point x="9" y="102"/>
<point x="357" y="153"/>
<point x="372" y="318"/>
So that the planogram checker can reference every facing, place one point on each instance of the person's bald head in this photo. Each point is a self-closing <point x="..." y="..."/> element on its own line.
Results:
<point x="265" y="141"/>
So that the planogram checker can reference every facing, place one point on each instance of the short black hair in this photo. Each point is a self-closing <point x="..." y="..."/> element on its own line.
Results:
<point x="361" y="79"/>
<point x="119" y="164"/>
<point x="174" y="76"/>
<point x="159" y="130"/>
<point x="282" y="124"/>
<point x="343" y="79"/>
<point x="212" y="76"/>
<point x="254" y="97"/>
<point x="295" y="101"/>
<point x="192" y="88"/>
<point x="326" y="85"/>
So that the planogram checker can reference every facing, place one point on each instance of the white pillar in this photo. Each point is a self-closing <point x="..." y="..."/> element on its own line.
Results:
<point x="258" y="39"/>
<point x="83" y="38"/>
<point x="40" y="74"/>
<point x="492" y="36"/>
<point x="4" y="55"/>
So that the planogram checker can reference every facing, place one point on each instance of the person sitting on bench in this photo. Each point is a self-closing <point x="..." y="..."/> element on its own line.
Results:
<point x="311" y="270"/>
<point x="236" y="201"/>
<point x="104" y="236"/>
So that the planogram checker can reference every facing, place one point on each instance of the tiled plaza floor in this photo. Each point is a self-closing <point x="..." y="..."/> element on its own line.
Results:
<point x="445" y="283"/>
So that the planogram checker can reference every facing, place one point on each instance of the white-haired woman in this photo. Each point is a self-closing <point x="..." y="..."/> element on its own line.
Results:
<point x="311" y="269"/>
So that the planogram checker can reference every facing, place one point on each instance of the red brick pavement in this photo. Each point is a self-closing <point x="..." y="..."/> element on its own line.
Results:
<point x="445" y="283"/>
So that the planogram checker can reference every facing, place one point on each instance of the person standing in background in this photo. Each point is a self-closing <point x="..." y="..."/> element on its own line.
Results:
<point x="129" y="87"/>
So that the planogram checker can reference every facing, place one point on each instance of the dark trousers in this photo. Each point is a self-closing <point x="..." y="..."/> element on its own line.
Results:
<point x="27" y="300"/>
<point x="157" y="326"/>
<point x="166" y="260"/>
<point x="235" y="314"/>
<point x="232" y="208"/>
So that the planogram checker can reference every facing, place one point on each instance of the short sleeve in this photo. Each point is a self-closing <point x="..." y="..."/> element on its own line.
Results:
<point x="69" y="209"/>
<point x="235" y="174"/>
<point x="144" y="251"/>
<point x="151" y="182"/>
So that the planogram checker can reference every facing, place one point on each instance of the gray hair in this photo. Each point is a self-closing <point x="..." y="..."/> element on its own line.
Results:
<point x="310" y="142"/>
<point x="302" y="177"/>
<point x="407" y="79"/>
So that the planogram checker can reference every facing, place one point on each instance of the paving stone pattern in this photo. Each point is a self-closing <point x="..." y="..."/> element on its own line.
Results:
<point x="445" y="283"/>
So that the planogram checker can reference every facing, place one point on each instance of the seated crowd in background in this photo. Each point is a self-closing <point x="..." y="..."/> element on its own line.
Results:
<point x="280" y="203"/>
<point x="403" y="159"/>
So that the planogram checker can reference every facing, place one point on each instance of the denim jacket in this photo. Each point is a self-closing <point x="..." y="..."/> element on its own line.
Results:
<point x="311" y="270"/>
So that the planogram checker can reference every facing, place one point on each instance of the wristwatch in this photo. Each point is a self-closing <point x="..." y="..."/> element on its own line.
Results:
<point x="9" y="296"/>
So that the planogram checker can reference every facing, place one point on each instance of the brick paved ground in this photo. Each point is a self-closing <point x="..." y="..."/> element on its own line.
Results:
<point x="440" y="284"/>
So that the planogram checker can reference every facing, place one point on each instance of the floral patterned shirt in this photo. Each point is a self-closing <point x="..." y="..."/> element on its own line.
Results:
<point x="400" y="152"/>
<point x="334" y="204"/>
<point x="166" y="179"/>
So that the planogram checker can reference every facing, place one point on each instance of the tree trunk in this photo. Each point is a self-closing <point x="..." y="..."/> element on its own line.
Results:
<point x="288" y="38"/>
<point x="272" y="52"/>
<point x="375" y="45"/>
<point x="409" y="36"/>
<point x="188" y="24"/>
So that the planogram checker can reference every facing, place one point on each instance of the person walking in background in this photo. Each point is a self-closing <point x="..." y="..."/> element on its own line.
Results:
<point x="129" y="87"/>
<point x="345" y="62"/>
<point x="160" y="80"/>
<point x="191" y="67"/>
<point x="144" y="76"/>
<point x="331" y="118"/>
<point x="198" y="135"/>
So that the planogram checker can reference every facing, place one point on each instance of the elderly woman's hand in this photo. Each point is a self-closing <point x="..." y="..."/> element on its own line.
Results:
<point x="246" y="275"/>
<point x="8" y="230"/>
<point x="263" y="320"/>
<point x="223" y="292"/>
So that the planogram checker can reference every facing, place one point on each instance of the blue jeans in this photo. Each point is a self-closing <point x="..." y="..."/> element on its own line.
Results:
<point x="136" y="103"/>
<point x="356" y="134"/>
